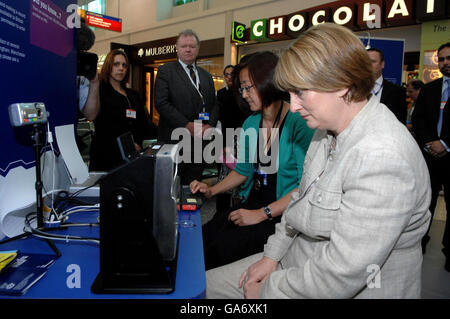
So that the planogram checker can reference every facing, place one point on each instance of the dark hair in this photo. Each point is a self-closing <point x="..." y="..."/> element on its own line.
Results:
<point x="228" y="66"/>
<point x="416" y="84"/>
<point x="261" y="69"/>
<point x="379" y="52"/>
<point x="108" y="65"/>
<point x="445" y="45"/>
<point x="243" y="105"/>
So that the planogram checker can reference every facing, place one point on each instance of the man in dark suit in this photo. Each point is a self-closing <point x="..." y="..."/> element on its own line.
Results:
<point x="413" y="88"/>
<point x="393" y="96"/>
<point x="431" y="124"/>
<point x="184" y="93"/>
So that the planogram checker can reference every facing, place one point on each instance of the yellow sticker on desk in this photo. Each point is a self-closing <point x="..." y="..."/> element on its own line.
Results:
<point x="191" y="200"/>
<point x="7" y="257"/>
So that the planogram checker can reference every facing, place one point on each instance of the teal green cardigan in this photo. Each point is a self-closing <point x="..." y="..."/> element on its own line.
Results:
<point x="294" y="142"/>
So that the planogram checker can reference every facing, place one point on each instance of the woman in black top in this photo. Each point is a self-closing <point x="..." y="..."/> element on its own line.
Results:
<point x="121" y="111"/>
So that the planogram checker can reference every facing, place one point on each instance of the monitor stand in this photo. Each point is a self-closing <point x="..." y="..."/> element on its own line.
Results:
<point x="159" y="278"/>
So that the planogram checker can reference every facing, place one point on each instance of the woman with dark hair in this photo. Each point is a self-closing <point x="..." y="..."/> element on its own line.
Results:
<point x="273" y="144"/>
<point x="121" y="111"/>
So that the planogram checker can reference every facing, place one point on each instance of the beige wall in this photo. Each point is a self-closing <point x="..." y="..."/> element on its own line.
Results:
<point x="211" y="19"/>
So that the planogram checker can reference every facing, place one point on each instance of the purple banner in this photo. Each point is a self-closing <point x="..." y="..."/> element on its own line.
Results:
<point x="48" y="27"/>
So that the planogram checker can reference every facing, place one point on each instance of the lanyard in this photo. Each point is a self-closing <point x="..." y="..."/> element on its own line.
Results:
<point x="197" y="86"/>
<point x="269" y="138"/>
<point x="381" y="87"/>
<point x="129" y="104"/>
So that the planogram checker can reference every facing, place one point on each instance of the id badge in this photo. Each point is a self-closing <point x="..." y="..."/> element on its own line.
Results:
<point x="131" y="114"/>
<point x="261" y="176"/>
<point x="204" y="116"/>
<point x="264" y="175"/>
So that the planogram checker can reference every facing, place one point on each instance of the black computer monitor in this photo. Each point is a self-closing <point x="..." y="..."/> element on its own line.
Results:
<point x="127" y="148"/>
<point x="138" y="225"/>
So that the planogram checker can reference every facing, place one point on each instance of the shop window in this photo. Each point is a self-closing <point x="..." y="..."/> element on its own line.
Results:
<point x="214" y="65"/>
<point x="181" y="2"/>
<point x="430" y="70"/>
<point x="97" y="6"/>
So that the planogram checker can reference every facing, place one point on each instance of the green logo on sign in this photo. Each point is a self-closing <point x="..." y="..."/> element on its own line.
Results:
<point x="238" y="33"/>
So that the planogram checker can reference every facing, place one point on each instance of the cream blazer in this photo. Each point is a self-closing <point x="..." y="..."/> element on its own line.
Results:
<point x="355" y="231"/>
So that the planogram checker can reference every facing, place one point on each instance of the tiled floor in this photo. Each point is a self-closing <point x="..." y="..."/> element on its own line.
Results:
<point x="435" y="280"/>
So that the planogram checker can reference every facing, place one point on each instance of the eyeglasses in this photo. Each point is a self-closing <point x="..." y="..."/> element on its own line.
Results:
<point x="227" y="74"/>
<point x="246" y="89"/>
<point x="442" y="58"/>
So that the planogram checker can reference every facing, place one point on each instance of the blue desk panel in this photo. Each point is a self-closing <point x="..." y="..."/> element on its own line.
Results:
<point x="79" y="263"/>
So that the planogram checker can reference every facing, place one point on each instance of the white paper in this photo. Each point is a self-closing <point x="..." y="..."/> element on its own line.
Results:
<point x="65" y="137"/>
<point x="18" y="191"/>
<point x="18" y="199"/>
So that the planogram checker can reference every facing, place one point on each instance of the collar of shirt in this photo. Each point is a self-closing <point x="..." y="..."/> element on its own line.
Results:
<point x="377" y="87"/>
<point x="185" y="66"/>
<point x="445" y="82"/>
<point x="379" y="81"/>
<point x="186" y="69"/>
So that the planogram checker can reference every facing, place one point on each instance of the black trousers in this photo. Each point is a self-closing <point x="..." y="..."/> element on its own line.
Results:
<point x="439" y="169"/>
<point x="224" y="242"/>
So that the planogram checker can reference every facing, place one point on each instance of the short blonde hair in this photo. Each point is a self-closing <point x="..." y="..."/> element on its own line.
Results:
<point x="327" y="58"/>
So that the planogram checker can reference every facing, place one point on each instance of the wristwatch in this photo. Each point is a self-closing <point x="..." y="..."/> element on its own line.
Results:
<point x="268" y="212"/>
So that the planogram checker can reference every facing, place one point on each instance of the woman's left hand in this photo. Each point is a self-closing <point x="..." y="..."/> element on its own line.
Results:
<point x="254" y="277"/>
<point x="246" y="217"/>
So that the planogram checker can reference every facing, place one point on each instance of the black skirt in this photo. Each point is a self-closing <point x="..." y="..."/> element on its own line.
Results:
<point x="224" y="242"/>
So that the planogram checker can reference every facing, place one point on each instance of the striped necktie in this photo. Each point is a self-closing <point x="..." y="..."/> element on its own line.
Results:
<point x="192" y="73"/>
<point x="445" y="96"/>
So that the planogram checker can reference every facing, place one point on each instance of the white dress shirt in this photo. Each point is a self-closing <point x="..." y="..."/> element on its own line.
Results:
<point x="186" y="69"/>
<point x="378" y="88"/>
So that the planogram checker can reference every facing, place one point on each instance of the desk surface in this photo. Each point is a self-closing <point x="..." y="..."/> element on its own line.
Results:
<point x="72" y="275"/>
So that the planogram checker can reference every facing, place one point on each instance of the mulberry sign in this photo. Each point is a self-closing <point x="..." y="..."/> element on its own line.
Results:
<point x="156" y="51"/>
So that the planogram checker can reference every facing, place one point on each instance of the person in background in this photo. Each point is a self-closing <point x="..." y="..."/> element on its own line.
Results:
<point x="87" y="85"/>
<point x="353" y="228"/>
<point x="231" y="117"/>
<point x="413" y="88"/>
<point x="184" y="93"/>
<point x="267" y="185"/>
<point x="230" y="114"/>
<point x="120" y="111"/>
<point x="431" y="124"/>
<point x="89" y="104"/>
<point x="391" y="95"/>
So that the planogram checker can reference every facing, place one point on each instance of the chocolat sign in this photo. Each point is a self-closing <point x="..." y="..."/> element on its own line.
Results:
<point x="356" y="15"/>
